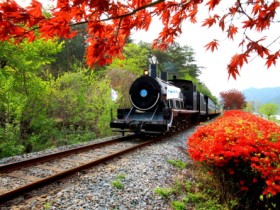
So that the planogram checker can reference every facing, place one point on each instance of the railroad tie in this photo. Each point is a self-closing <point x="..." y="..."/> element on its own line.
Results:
<point x="21" y="175"/>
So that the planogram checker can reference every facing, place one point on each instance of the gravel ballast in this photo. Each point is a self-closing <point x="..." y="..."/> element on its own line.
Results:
<point x="139" y="173"/>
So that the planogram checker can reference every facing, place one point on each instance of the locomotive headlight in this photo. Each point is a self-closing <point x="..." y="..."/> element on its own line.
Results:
<point x="146" y="73"/>
<point x="143" y="93"/>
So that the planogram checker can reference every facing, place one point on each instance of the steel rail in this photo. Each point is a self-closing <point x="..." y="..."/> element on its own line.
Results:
<point x="48" y="157"/>
<point x="48" y="180"/>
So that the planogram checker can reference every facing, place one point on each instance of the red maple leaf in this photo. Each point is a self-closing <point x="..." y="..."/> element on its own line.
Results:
<point x="236" y="63"/>
<point x="212" y="4"/>
<point x="232" y="30"/>
<point x="35" y="9"/>
<point x="222" y="22"/>
<point x="210" y="21"/>
<point x="212" y="45"/>
<point x="271" y="59"/>
<point x="256" y="47"/>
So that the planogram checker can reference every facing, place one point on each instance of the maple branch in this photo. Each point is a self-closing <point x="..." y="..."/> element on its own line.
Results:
<point x="118" y="29"/>
<point x="124" y="15"/>
<point x="273" y="41"/>
<point x="243" y="11"/>
<point x="134" y="11"/>
<point x="266" y="46"/>
<point x="25" y="32"/>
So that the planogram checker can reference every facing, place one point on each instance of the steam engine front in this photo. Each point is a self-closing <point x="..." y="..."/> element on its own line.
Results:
<point x="159" y="106"/>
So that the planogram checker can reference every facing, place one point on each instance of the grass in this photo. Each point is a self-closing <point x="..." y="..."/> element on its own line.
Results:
<point x="177" y="163"/>
<point x="121" y="176"/>
<point x="117" y="183"/>
<point x="47" y="206"/>
<point x="194" y="188"/>
<point x="164" y="192"/>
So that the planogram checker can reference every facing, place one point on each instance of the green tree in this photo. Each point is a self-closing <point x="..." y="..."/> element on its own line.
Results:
<point x="10" y="109"/>
<point x="121" y="81"/>
<point x="135" y="59"/>
<point x="269" y="109"/>
<point x="72" y="53"/>
<point x="176" y="60"/>
<point x="201" y="87"/>
<point x="82" y="102"/>
<point x="249" y="107"/>
<point x="24" y="94"/>
<point x="122" y="72"/>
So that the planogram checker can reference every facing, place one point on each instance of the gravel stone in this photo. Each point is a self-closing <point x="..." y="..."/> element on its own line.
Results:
<point x="139" y="173"/>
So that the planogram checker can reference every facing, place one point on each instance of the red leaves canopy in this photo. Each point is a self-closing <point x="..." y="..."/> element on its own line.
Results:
<point x="109" y="23"/>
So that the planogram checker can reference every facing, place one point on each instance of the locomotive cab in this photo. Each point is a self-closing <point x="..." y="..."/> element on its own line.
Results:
<point x="188" y="91"/>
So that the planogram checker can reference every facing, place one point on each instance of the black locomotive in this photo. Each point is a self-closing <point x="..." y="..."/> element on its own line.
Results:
<point x="159" y="106"/>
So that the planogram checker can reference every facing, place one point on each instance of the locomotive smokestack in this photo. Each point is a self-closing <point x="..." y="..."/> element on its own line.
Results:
<point x="153" y="70"/>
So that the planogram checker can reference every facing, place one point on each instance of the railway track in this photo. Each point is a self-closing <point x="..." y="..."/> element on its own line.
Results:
<point x="20" y="177"/>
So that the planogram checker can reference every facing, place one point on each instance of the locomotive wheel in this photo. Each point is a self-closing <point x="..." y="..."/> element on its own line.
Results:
<point x="184" y="124"/>
<point x="176" y="125"/>
<point x="172" y="129"/>
<point x="180" y="124"/>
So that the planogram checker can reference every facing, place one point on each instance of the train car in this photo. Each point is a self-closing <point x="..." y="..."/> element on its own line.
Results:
<point x="159" y="106"/>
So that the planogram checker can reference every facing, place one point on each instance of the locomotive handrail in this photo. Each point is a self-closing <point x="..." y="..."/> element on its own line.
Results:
<point x="154" y="113"/>
<point x="129" y="113"/>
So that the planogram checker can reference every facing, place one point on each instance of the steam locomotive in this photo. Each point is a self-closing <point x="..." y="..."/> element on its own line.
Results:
<point x="160" y="105"/>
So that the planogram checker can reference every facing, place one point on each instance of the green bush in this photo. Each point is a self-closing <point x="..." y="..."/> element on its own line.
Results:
<point x="83" y="101"/>
<point x="38" y="111"/>
<point x="9" y="139"/>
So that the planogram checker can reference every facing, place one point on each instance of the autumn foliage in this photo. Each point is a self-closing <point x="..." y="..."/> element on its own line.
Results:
<point x="233" y="99"/>
<point x="245" y="146"/>
<point x="109" y="23"/>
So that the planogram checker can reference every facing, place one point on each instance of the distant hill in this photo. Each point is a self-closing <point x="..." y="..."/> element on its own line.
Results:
<point x="263" y="95"/>
<point x="275" y="100"/>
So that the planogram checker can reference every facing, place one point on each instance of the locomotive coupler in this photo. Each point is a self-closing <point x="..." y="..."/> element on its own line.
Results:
<point x="136" y="127"/>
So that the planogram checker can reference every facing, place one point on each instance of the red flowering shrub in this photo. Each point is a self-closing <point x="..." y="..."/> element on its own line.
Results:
<point x="241" y="141"/>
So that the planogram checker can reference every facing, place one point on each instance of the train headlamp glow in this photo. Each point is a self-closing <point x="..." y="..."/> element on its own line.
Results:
<point x="143" y="93"/>
<point x="146" y="73"/>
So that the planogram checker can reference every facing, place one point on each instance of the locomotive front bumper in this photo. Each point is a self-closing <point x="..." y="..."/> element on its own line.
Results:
<point x="155" y="127"/>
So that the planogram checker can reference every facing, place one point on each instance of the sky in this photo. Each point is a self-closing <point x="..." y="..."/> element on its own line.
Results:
<point x="214" y="75"/>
